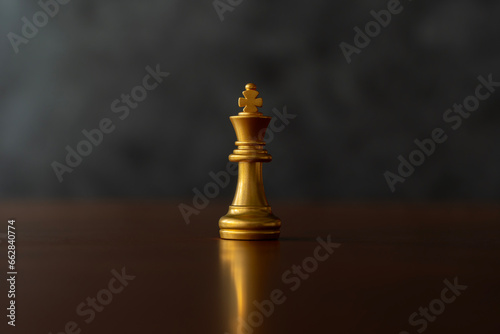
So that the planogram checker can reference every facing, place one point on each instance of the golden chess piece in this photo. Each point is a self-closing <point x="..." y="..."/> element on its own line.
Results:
<point x="250" y="216"/>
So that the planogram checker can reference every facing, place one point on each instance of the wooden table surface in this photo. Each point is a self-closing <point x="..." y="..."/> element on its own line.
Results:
<point x="137" y="267"/>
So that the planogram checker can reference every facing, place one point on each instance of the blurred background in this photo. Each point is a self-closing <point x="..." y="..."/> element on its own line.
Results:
<point x="352" y="120"/>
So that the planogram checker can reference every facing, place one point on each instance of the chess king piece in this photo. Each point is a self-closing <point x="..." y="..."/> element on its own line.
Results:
<point x="250" y="216"/>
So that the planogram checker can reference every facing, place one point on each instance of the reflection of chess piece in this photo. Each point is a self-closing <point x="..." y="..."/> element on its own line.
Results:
<point x="250" y="216"/>
<point x="248" y="275"/>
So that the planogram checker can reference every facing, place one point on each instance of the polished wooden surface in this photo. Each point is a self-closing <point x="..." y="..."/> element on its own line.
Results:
<point x="391" y="259"/>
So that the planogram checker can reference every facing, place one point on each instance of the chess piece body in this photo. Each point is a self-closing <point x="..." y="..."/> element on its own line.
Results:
<point x="250" y="217"/>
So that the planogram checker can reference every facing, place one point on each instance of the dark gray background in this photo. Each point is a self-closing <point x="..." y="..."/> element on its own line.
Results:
<point x="353" y="120"/>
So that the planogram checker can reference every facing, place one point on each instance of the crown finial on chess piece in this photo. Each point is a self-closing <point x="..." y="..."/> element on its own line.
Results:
<point x="250" y="86"/>
<point x="250" y="102"/>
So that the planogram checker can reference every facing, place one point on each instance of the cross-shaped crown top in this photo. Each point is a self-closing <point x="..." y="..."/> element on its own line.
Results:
<point x="250" y="102"/>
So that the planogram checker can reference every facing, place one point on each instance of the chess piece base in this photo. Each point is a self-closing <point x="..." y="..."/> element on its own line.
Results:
<point x="249" y="223"/>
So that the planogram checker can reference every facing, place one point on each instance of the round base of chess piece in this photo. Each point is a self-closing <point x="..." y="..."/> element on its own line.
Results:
<point x="249" y="223"/>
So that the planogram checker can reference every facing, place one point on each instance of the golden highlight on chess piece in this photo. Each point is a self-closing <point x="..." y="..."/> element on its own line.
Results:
<point x="250" y="216"/>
